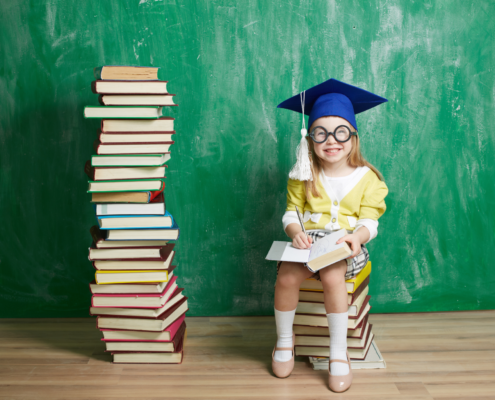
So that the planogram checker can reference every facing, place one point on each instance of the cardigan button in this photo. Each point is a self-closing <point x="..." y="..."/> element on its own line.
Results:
<point x="333" y="220"/>
<point x="335" y="203"/>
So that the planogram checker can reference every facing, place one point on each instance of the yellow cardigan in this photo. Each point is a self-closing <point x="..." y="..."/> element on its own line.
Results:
<point x="363" y="198"/>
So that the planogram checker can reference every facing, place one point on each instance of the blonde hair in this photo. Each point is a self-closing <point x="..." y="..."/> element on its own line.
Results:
<point x="354" y="159"/>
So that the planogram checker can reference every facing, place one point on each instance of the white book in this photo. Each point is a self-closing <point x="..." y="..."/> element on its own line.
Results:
<point x="123" y="112"/>
<point x="374" y="359"/>
<point x="130" y="209"/>
<point x="322" y="253"/>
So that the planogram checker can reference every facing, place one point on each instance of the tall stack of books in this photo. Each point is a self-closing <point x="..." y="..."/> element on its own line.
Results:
<point x="140" y="308"/>
<point x="311" y="324"/>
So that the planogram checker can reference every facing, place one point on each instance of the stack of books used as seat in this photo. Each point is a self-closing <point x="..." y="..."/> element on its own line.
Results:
<point x="136" y="297"/>
<point x="311" y="324"/>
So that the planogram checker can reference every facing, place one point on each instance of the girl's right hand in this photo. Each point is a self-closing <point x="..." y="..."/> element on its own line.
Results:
<point x="301" y="241"/>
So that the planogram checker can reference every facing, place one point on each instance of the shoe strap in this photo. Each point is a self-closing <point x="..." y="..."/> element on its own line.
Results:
<point x="283" y="348"/>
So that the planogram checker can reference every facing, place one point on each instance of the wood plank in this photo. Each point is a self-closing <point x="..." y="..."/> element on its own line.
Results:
<point x="429" y="356"/>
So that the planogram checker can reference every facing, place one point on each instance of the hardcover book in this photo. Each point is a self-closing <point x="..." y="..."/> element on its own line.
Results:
<point x="128" y="73"/>
<point x="163" y="124"/>
<point x="130" y="160"/>
<point x="322" y="253"/>
<point x="141" y="300"/>
<point x="127" y="87"/>
<point x="135" y="221"/>
<point x="116" y="335"/>
<point x="145" y="324"/>
<point x="140" y="312"/>
<point x="137" y="99"/>
<point x="124" y="112"/>
<point x="119" y="173"/>
<point x="131" y="148"/>
<point x="144" y="346"/>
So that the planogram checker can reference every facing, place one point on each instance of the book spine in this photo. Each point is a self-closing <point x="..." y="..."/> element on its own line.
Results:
<point x="152" y="195"/>
<point x="93" y="87"/>
<point x="100" y="100"/>
<point x="96" y="234"/>
<point x="89" y="170"/>
<point x="166" y="250"/>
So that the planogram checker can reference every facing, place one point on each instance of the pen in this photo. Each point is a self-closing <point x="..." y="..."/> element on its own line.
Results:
<point x="301" y="221"/>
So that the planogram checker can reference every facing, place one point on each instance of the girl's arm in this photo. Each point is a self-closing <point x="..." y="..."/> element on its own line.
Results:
<point x="363" y="234"/>
<point x="299" y="239"/>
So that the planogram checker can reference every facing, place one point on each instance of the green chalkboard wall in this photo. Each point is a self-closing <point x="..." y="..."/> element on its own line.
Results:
<point x="230" y="63"/>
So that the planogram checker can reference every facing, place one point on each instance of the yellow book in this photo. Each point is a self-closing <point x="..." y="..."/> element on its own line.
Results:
<point x="351" y="284"/>
<point x="109" y="277"/>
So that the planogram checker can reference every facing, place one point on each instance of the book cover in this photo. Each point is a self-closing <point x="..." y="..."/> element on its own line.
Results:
<point x="116" y="335"/>
<point x="168" y="346"/>
<point x="128" y="73"/>
<point x="130" y="160"/>
<point x="124" y="112"/>
<point x="131" y="185"/>
<point x="129" y="87"/>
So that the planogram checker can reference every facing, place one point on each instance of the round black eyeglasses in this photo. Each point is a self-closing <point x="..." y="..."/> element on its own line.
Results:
<point x="341" y="134"/>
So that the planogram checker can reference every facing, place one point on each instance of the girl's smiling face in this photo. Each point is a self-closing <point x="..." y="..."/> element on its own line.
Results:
<point x="331" y="151"/>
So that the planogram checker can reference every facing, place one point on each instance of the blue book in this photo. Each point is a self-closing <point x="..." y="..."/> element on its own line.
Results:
<point x="171" y="233"/>
<point x="135" y="221"/>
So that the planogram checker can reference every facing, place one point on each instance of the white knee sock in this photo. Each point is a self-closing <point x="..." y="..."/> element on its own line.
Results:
<point x="284" y="321"/>
<point x="337" y="324"/>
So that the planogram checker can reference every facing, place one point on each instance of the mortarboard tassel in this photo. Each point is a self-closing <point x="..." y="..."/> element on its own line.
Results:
<point x="301" y="170"/>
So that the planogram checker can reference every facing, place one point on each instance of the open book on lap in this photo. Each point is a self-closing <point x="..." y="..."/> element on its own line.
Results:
<point x="322" y="253"/>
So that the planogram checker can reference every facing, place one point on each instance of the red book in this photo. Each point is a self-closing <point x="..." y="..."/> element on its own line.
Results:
<point x="152" y="357"/>
<point x="144" y="324"/>
<point x="175" y="298"/>
<point x="116" y="335"/>
<point x="147" y="346"/>
<point x="136" y="300"/>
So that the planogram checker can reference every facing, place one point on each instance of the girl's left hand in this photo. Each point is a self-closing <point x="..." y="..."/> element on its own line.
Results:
<point x="354" y="243"/>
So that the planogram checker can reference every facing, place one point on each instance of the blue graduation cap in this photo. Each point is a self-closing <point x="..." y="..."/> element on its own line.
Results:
<point x="329" y="98"/>
<point x="333" y="98"/>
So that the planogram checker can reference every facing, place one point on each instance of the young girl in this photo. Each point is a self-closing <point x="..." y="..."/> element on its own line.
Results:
<point x="343" y="190"/>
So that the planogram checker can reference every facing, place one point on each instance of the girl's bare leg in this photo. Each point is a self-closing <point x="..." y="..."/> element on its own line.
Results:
<point x="334" y="289"/>
<point x="290" y="276"/>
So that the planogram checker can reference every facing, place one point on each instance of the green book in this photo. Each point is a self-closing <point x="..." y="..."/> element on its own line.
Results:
<point x="134" y="185"/>
<point x="129" y="160"/>
<point x="124" y="112"/>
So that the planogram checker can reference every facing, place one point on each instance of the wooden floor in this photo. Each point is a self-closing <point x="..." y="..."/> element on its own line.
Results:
<point x="429" y="356"/>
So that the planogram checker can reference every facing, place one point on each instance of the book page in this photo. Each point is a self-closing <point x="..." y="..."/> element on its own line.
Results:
<point x="296" y="255"/>
<point x="284" y="251"/>
<point x="327" y="244"/>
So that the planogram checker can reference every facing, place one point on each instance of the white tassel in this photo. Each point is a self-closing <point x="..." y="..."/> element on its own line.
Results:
<point x="301" y="170"/>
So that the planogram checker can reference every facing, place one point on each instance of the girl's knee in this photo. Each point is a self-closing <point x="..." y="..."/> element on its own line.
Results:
<point x="334" y="274"/>
<point x="289" y="276"/>
<point x="288" y="280"/>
